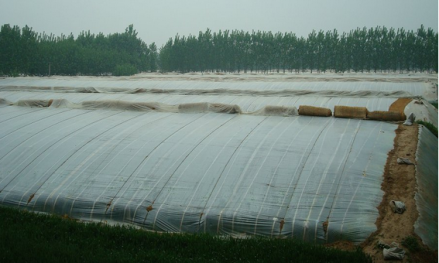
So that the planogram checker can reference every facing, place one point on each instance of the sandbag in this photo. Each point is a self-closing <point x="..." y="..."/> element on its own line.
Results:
<point x="314" y="111"/>
<point x="350" y="112"/>
<point x="386" y="116"/>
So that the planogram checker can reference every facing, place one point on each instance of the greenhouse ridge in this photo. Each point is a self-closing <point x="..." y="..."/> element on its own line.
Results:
<point x="394" y="113"/>
<point x="114" y="150"/>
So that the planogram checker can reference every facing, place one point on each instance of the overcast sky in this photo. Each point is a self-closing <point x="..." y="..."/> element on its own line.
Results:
<point x="157" y="21"/>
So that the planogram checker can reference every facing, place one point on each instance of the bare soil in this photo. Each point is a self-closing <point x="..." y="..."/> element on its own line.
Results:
<point x="400" y="104"/>
<point x="399" y="184"/>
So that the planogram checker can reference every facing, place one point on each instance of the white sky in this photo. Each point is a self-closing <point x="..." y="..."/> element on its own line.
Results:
<point x="157" y="21"/>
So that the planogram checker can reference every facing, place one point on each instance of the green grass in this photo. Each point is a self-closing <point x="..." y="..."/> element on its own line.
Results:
<point x="434" y="104"/>
<point x="429" y="126"/>
<point x="30" y="237"/>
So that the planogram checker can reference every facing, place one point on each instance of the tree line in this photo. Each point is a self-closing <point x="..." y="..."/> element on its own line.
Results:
<point x="23" y="51"/>
<point x="374" y="49"/>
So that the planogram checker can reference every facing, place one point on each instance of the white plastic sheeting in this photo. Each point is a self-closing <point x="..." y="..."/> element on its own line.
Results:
<point x="427" y="193"/>
<point x="317" y="179"/>
<point x="423" y="111"/>
<point x="246" y="103"/>
<point x="105" y="85"/>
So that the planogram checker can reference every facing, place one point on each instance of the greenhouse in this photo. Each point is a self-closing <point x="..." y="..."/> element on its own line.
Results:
<point x="227" y="158"/>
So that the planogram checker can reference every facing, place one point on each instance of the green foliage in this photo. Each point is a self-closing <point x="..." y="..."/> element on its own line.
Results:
<point x="14" y="73"/>
<point x="26" y="52"/>
<point x="434" y="104"/>
<point x="362" y="49"/>
<point x="429" y="126"/>
<point x="411" y="243"/>
<point x="29" y="237"/>
<point x="124" y="70"/>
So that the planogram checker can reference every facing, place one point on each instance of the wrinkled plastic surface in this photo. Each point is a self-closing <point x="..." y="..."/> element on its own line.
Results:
<point x="247" y="103"/>
<point x="311" y="178"/>
<point x="427" y="194"/>
<point x="332" y="88"/>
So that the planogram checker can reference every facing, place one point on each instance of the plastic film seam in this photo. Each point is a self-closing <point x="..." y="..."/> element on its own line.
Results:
<point x="149" y="208"/>
<point x="322" y="138"/>
<point x="198" y="185"/>
<point x="301" y="170"/>
<point x="341" y="176"/>
<point x="91" y="156"/>
<point x="76" y="169"/>
<point x="20" y="115"/>
<point x="126" y="146"/>
<point x="196" y="146"/>
<point x="321" y="211"/>
<point x="323" y="131"/>
<point x="238" y="148"/>
<point x="322" y="179"/>
<point x="35" y="201"/>
<point x="39" y="133"/>
<point x="256" y="174"/>
<point x="241" y="177"/>
<point x="44" y="152"/>
<point x="293" y="181"/>
<point x="140" y="165"/>
<point x="272" y="176"/>
<point x="45" y="117"/>
<point x="361" y="181"/>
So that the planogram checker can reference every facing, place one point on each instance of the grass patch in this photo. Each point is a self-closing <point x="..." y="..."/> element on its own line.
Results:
<point x="429" y="126"/>
<point x="30" y="237"/>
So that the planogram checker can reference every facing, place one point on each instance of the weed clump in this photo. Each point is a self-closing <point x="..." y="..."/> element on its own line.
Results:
<point x="429" y="126"/>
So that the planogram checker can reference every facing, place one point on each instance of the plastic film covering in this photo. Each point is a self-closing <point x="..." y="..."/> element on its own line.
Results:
<point x="423" y="110"/>
<point x="248" y="96"/>
<point x="311" y="178"/>
<point x="4" y="102"/>
<point x="245" y="102"/>
<point x="185" y="87"/>
<point x="34" y="103"/>
<point x="128" y="106"/>
<point x="277" y="111"/>
<point x="427" y="194"/>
